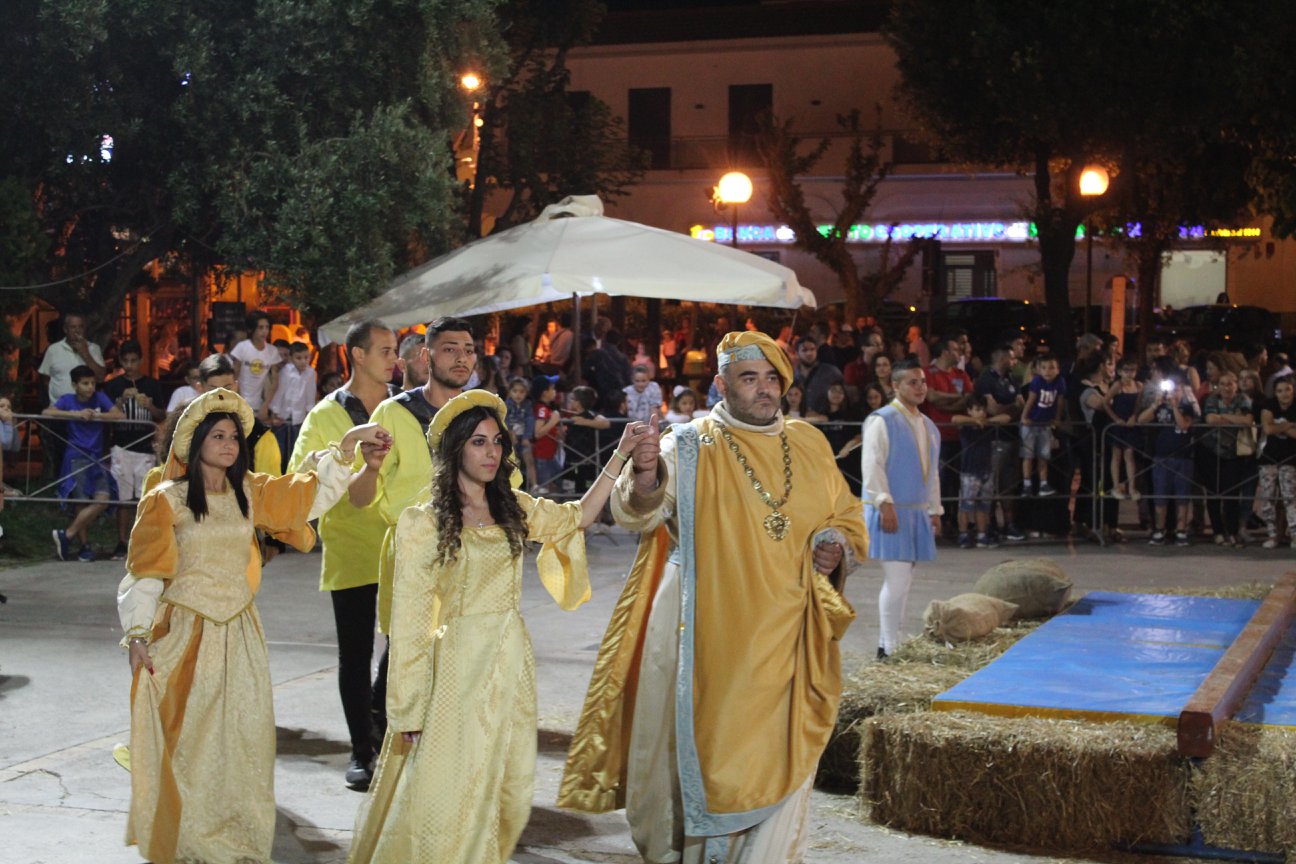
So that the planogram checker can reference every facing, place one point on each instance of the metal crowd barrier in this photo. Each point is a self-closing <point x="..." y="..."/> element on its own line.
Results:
<point x="33" y="433"/>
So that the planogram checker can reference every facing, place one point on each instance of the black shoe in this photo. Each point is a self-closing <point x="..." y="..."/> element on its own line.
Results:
<point x="881" y="654"/>
<point x="1015" y="533"/>
<point x="359" y="775"/>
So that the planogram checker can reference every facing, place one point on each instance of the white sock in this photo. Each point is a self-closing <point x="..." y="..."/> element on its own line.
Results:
<point x="897" y="576"/>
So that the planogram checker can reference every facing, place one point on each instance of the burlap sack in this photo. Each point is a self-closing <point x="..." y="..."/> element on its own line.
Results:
<point x="1038" y="586"/>
<point x="967" y="616"/>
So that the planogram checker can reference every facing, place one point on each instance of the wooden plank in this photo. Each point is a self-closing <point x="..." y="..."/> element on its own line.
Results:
<point x="1221" y="695"/>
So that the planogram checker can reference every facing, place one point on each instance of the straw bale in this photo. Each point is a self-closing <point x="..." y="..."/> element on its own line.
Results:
<point x="920" y="670"/>
<point x="1049" y="784"/>
<point x="1246" y="791"/>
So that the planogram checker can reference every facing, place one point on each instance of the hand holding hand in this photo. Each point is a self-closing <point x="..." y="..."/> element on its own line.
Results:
<point x="827" y="556"/>
<point x="647" y="446"/>
<point x="366" y="433"/>
<point x="374" y="454"/>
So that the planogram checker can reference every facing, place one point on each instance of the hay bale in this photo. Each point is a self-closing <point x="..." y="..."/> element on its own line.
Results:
<point x="919" y="671"/>
<point x="1039" y="586"/>
<point x="1245" y="793"/>
<point x="966" y="616"/>
<point x="1049" y="784"/>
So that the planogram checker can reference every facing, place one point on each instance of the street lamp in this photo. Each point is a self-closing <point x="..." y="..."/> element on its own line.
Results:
<point x="733" y="189"/>
<point x="470" y="81"/>
<point x="1093" y="184"/>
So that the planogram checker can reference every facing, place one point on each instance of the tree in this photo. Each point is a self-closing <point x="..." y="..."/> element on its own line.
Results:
<point x="307" y="140"/>
<point x="539" y="141"/>
<point x="1150" y="87"/>
<point x="780" y="152"/>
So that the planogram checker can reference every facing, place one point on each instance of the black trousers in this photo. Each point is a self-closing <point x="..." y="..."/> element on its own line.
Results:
<point x="1224" y="478"/>
<point x="363" y="700"/>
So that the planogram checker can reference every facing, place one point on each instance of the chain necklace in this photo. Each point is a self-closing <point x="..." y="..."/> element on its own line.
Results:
<point x="776" y="524"/>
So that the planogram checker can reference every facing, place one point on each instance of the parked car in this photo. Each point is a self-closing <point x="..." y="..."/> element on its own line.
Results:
<point x="990" y="320"/>
<point x="1222" y="325"/>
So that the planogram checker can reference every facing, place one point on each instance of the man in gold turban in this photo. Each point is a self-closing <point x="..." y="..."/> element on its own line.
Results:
<point x="717" y="683"/>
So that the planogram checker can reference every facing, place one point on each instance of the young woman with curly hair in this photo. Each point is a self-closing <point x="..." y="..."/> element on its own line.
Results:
<point x="455" y="775"/>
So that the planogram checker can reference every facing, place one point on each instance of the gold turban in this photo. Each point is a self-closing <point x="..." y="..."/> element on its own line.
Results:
<point x="754" y="345"/>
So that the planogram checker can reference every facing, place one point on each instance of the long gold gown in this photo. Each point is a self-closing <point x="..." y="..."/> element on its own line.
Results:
<point x="202" y="725"/>
<point x="462" y="671"/>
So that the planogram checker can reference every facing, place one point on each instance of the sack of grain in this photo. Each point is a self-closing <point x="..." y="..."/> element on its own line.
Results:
<point x="967" y="616"/>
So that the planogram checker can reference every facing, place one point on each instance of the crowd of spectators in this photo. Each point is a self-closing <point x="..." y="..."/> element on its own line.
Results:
<point x="1190" y="440"/>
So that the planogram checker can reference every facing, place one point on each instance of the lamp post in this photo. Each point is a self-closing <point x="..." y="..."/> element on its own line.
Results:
<point x="468" y="144"/>
<point x="733" y="189"/>
<point x="1093" y="184"/>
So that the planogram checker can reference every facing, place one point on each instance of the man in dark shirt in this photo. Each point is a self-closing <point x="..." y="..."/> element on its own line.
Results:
<point x="1003" y="397"/>
<point x="607" y="370"/>
<point x="140" y="398"/>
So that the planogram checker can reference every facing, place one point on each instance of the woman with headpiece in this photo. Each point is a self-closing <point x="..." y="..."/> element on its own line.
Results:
<point x="202" y="724"/>
<point x="455" y="775"/>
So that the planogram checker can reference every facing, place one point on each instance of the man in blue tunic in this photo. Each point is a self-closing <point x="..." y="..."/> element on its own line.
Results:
<point x="902" y="506"/>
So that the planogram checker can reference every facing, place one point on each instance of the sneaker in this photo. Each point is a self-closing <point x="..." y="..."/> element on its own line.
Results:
<point x="1157" y="538"/>
<point x="965" y="541"/>
<point x="62" y="546"/>
<point x="1046" y="489"/>
<point x="1181" y="538"/>
<point x="86" y="555"/>
<point x="882" y="654"/>
<point x="1118" y="493"/>
<point x="1015" y="533"/>
<point x="1271" y="543"/>
<point x="1028" y="488"/>
<point x="1136" y="495"/>
<point x="119" y="554"/>
<point x="985" y="541"/>
<point x="1219" y="540"/>
<point x="358" y="775"/>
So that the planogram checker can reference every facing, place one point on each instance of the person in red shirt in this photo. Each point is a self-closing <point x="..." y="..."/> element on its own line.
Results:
<point x="548" y="429"/>
<point x="948" y="391"/>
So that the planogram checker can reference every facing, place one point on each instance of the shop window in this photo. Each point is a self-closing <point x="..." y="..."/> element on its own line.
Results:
<point x="968" y="274"/>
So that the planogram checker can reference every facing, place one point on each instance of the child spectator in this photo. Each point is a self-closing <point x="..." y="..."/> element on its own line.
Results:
<point x="684" y="406"/>
<point x="83" y="472"/>
<point x="582" y="436"/>
<point x="520" y="420"/>
<point x="1041" y="415"/>
<point x="1123" y="439"/>
<point x="293" y="399"/>
<point x="137" y="397"/>
<point x="8" y="430"/>
<point x="188" y="391"/>
<point x="1173" y="410"/>
<point x="976" y="474"/>
<point x="643" y="396"/>
<point x="1278" y="460"/>
<point x="330" y="382"/>
<point x="547" y="435"/>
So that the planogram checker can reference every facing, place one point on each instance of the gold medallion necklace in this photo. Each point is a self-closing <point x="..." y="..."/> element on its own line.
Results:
<point x="776" y="524"/>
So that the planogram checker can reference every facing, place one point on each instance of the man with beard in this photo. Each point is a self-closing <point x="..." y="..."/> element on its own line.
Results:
<point x="451" y="356"/>
<point x="413" y="362"/>
<point x="711" y="742"/>
<point x="353" y="542"/>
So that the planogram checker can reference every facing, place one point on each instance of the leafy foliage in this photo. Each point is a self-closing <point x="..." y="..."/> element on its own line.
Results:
<point x="785" y="160"/>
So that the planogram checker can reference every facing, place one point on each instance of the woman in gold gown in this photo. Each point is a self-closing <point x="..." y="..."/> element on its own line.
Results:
<point x="455" y="775"/>
<point x="202" y="739"/>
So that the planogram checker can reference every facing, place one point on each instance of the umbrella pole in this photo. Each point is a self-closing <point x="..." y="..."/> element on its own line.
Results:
<point x="576" y="339"/>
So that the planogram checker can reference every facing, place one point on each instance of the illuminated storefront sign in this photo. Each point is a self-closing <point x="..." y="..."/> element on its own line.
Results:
<point x="949" y="232"/>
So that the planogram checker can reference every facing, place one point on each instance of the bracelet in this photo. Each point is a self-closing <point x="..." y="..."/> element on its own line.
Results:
<point x="625" y="457"/>
<point x="612" y="477"/>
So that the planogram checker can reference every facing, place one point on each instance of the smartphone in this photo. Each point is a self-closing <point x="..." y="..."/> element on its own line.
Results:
<point x="1167" y="386"/>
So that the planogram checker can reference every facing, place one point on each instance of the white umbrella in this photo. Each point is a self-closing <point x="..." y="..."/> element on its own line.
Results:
<point x="573" y="249"/>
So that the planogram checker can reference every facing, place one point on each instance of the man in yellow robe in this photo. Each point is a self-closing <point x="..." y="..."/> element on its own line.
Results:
<point x="717" y="684"/>
<point x="353" y="541"/>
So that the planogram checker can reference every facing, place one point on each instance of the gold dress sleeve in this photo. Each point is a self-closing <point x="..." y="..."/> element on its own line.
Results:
<point x="152" y="550"/>
<point x="281" y="505"/>
<point x="564" y="571"/>
<point x="416" y="614"/>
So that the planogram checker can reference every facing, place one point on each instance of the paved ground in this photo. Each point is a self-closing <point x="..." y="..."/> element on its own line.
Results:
<point x="64" y="684"/>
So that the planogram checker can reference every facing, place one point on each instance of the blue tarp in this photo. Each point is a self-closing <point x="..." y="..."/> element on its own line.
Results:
<point x="1125" y="656"/>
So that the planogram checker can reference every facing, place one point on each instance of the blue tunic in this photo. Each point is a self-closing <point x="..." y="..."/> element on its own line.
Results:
<point x="913" y="541"/>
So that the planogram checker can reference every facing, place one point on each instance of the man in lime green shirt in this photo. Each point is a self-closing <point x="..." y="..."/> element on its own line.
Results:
<point x="407" y="471"/>
<point x="353" y="541"/>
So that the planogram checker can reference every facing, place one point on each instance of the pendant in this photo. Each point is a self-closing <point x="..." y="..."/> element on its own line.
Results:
<point x="776" y="525"/>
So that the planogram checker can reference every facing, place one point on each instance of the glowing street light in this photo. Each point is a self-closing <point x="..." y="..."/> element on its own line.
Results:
<point x="733" y="189"/>
<point x="470" y="81"/>
<point x="1093" y="184"/>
